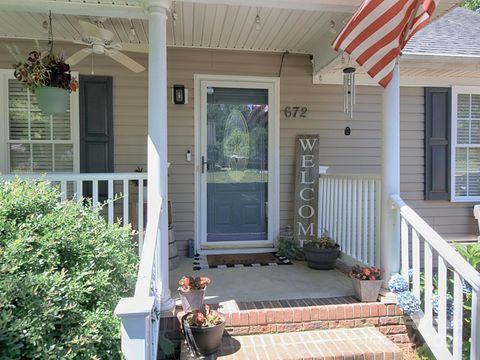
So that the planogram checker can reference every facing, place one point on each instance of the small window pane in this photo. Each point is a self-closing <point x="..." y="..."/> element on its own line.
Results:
<point x="463" y="131"/>
<point x="18" y="110"/>
<point x="63" y="158"/>
<point x="461" y="172"/>
<point x="42" y="158"/>
<point x="475" y="132"/>
<point x="463" y="106"/>
<point x="475" y="106"/>
<point x="20" y="158"/>
<point x="474" y="172"/>
<point x="61" y="126"/>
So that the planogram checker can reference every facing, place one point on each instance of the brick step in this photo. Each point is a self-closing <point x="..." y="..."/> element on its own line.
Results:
<point x="333" y="344"/>
<point x="263" y="317"/>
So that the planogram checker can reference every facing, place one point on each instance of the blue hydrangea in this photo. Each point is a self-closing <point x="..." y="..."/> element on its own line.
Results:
<point x="410" y="273"/>
<point x="398" y="284"/>
<point x="467" y="288"/>
<point x="449" y="305"/>
<point x="408" y="302"/>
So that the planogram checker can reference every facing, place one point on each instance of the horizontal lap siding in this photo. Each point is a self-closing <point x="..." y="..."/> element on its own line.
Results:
<point x="358" y="153"/>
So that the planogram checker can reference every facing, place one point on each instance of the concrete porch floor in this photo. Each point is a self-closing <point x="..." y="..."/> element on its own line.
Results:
<point x="284" y="282"/>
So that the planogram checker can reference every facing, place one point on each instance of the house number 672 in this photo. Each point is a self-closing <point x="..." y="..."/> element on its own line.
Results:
<point x="295" y="111"/>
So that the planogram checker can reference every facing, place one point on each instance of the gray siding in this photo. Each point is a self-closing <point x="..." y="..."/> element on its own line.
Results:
<point x="358" y="153"/>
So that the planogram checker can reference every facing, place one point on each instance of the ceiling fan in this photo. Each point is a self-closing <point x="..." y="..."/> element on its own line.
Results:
<point x="100" y="42"/>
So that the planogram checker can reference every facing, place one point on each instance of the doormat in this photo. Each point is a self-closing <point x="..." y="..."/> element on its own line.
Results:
<point x="238" y="261"/>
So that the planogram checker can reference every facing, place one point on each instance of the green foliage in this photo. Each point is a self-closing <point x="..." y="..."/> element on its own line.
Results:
<point x="62" y="271"/>
<point x="323" y="242"/>
<point x="289" y="248"/>
<point x="472" y="4"/>
<point x="471" y="253"/>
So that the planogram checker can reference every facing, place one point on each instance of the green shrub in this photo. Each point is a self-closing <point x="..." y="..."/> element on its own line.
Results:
<point x="62" y="271"/>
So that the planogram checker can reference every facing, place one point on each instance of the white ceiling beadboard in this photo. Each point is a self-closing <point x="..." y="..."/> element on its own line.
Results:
<point x="206" y="25"/>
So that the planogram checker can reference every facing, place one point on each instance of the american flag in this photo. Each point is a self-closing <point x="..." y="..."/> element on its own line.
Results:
<point x="378" y="31"/>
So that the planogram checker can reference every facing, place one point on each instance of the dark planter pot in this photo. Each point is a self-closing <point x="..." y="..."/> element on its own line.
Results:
<point x="321" y="259"/>
<point x="203" y="341"/>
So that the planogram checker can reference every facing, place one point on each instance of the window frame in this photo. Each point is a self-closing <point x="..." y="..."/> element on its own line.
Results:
<point x="7" y="74"/>
<point x="456" y="90"/>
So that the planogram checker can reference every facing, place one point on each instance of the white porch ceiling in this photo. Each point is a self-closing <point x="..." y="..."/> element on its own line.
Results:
<point x="217" y="24"/>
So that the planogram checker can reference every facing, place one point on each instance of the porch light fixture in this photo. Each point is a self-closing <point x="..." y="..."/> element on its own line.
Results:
<point x="348" y="90"/>
<point x="132" y="35"/>
<point x="258" y="21"/>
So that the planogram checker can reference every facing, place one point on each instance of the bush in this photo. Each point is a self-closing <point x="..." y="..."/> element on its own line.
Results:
<point x="62" y="271"/>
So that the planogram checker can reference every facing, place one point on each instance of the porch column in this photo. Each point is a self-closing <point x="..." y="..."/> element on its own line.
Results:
<point x="157" y="135"/>
<point x="390" y="220"/>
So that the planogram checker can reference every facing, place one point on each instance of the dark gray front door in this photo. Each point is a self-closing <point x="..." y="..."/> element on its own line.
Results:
<point x="237" y="164"/>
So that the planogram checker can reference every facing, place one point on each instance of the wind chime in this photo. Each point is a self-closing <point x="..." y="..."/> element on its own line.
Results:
<point x="349" y="90"/>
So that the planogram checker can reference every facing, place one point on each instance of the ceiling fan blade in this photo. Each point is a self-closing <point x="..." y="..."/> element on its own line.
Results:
<point x="91" y="30"/>
<point x="124" y="60"/>
<point x="134" y="47"/>
<point x="78" y="56"/>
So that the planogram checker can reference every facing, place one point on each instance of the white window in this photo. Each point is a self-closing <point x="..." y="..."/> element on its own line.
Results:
<point x="31" y="141"/>
<point x="465" y="144"/>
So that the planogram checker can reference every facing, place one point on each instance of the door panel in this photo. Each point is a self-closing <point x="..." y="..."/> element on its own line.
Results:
<point x="236" y="164"/>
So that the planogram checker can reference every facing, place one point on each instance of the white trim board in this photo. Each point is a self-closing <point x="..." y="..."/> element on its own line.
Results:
<point x="455" y="91"/>
<point x="273" y="85"/>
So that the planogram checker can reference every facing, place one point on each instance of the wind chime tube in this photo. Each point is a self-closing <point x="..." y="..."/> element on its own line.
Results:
<point x="344" y="94"/>
<point x="352" y="94"/>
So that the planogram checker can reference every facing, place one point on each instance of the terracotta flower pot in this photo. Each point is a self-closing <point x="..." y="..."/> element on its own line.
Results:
<point x="318" y="258"/>
<point x="203" y="341"/>
<point x="366" y="290"/>
<point x="192" y="300"/>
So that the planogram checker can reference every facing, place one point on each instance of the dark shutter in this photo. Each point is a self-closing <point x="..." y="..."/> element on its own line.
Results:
<point x="437" y="143"/>
<point x="96" y="127"/>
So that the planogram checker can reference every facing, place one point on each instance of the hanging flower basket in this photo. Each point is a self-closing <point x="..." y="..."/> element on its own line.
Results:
<point x="48" y="76"/>
<point x="52" y="100"/>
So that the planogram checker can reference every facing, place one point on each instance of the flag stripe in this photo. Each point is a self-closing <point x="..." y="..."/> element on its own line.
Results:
<point x="378" y="31"/>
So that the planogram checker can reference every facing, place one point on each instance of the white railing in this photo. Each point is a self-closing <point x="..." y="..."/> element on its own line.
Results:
<point x="112" y="190"/>
<point x="349" y="210"/>
<point x="449" y="282"/>
<point x="140" y="314"/>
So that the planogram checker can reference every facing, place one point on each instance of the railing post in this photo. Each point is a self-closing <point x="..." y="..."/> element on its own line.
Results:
<point x="135" y="315"/>
<point x="390" y="222"/>
<point x="157" y="134"/>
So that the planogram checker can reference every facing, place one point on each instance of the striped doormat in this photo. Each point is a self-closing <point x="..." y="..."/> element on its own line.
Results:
<point x="238" y="261"/>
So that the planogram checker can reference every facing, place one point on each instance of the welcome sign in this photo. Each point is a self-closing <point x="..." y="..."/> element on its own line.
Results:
<point x="306" y="187"/>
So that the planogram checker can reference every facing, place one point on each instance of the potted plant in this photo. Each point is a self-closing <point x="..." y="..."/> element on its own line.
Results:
<point x="49" y="77"/>
<point x="321" y="253"/>
<point x="366" y="282"/>
<point x="192" y="292"/>
<point x="203" y="330"/>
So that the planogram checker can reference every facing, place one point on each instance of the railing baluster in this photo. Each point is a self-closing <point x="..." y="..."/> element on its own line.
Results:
<point x="475" y="327"/>
<point x="125" y="202"/>
<point x="365" y="222"/>
<point x="442" y="301"/>
<point x="335" y="205"/>
<point x="354" y="218"/>
<point x="95" y="193"/>
<point x="428" y="255"/>
<point x="340" y="213"/>
<point x="405" y="247"/>
<point x="349" y="221"/>
<point x="359" y="220"/>
<point x="371" y="218"/>
<point x="416" y="263"/>
<point x="63" y="190"/>
<point x="79" y="190"/>
<point x="457" y="316"/>
<point x="344" y="214"/>
<point x="378" y="212"/>
<point x="140" y="216"/>
<point x="111" y="203"/>
<point x="328" y="194"/>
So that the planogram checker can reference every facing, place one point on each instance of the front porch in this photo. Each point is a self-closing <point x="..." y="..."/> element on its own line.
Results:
<point x="248" y="284"/>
